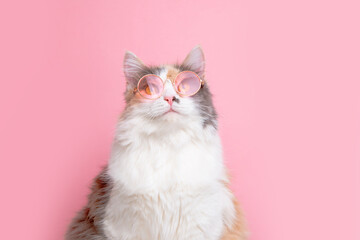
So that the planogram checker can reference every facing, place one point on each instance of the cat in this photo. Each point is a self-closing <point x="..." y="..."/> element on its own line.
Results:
<point x="165" y="179"/>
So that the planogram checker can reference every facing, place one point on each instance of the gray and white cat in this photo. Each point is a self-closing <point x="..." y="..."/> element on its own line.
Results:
<point x="165" y="179"/>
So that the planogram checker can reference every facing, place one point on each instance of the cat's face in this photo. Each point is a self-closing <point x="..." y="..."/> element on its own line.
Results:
<point x="170" y="106"/>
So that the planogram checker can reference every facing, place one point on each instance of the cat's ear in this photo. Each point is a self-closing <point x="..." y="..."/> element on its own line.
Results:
<point x="195" y="61"/>
<point x="133" y="66"/>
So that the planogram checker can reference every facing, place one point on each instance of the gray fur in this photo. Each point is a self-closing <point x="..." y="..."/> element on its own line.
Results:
<point x="205" y="104"/>
<point x="203" y="99"/>
<point x="87" y="225"/>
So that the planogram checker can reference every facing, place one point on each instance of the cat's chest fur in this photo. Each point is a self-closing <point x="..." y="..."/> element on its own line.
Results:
<point x="168" y="190"/>
<point x="176" y="214"/>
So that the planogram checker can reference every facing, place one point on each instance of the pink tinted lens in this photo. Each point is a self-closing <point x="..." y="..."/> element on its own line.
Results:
<point x="150" y="86"/>
<point x="187" y="83"/>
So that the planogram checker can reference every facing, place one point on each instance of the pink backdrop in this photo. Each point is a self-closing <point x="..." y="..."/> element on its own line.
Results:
<point x="285" y="78"/>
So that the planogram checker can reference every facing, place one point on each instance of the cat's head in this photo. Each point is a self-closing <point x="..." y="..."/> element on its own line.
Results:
<point x="170" y="107"/>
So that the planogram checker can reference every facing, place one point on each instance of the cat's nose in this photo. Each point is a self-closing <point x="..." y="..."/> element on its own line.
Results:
<point x="169" y="99"/>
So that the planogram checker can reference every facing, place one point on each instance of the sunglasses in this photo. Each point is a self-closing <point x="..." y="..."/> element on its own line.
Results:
<point x="186" y="84"/>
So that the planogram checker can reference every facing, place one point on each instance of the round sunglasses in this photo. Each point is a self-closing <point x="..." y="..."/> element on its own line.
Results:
<point x="186" y="84"/>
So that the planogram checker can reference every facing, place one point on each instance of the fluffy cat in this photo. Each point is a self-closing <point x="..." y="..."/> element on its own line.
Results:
<point x="165" y="179"/>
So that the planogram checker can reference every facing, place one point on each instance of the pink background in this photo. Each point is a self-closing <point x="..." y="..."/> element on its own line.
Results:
<point x="285" y="78"/>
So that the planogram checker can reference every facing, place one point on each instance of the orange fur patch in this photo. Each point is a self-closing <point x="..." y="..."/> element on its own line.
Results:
<point x="172" y="73"/>
<point x="238" y="229"/>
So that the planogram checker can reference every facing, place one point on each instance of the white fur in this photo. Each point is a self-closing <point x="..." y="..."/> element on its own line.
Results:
<point x="168" y="175"/>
